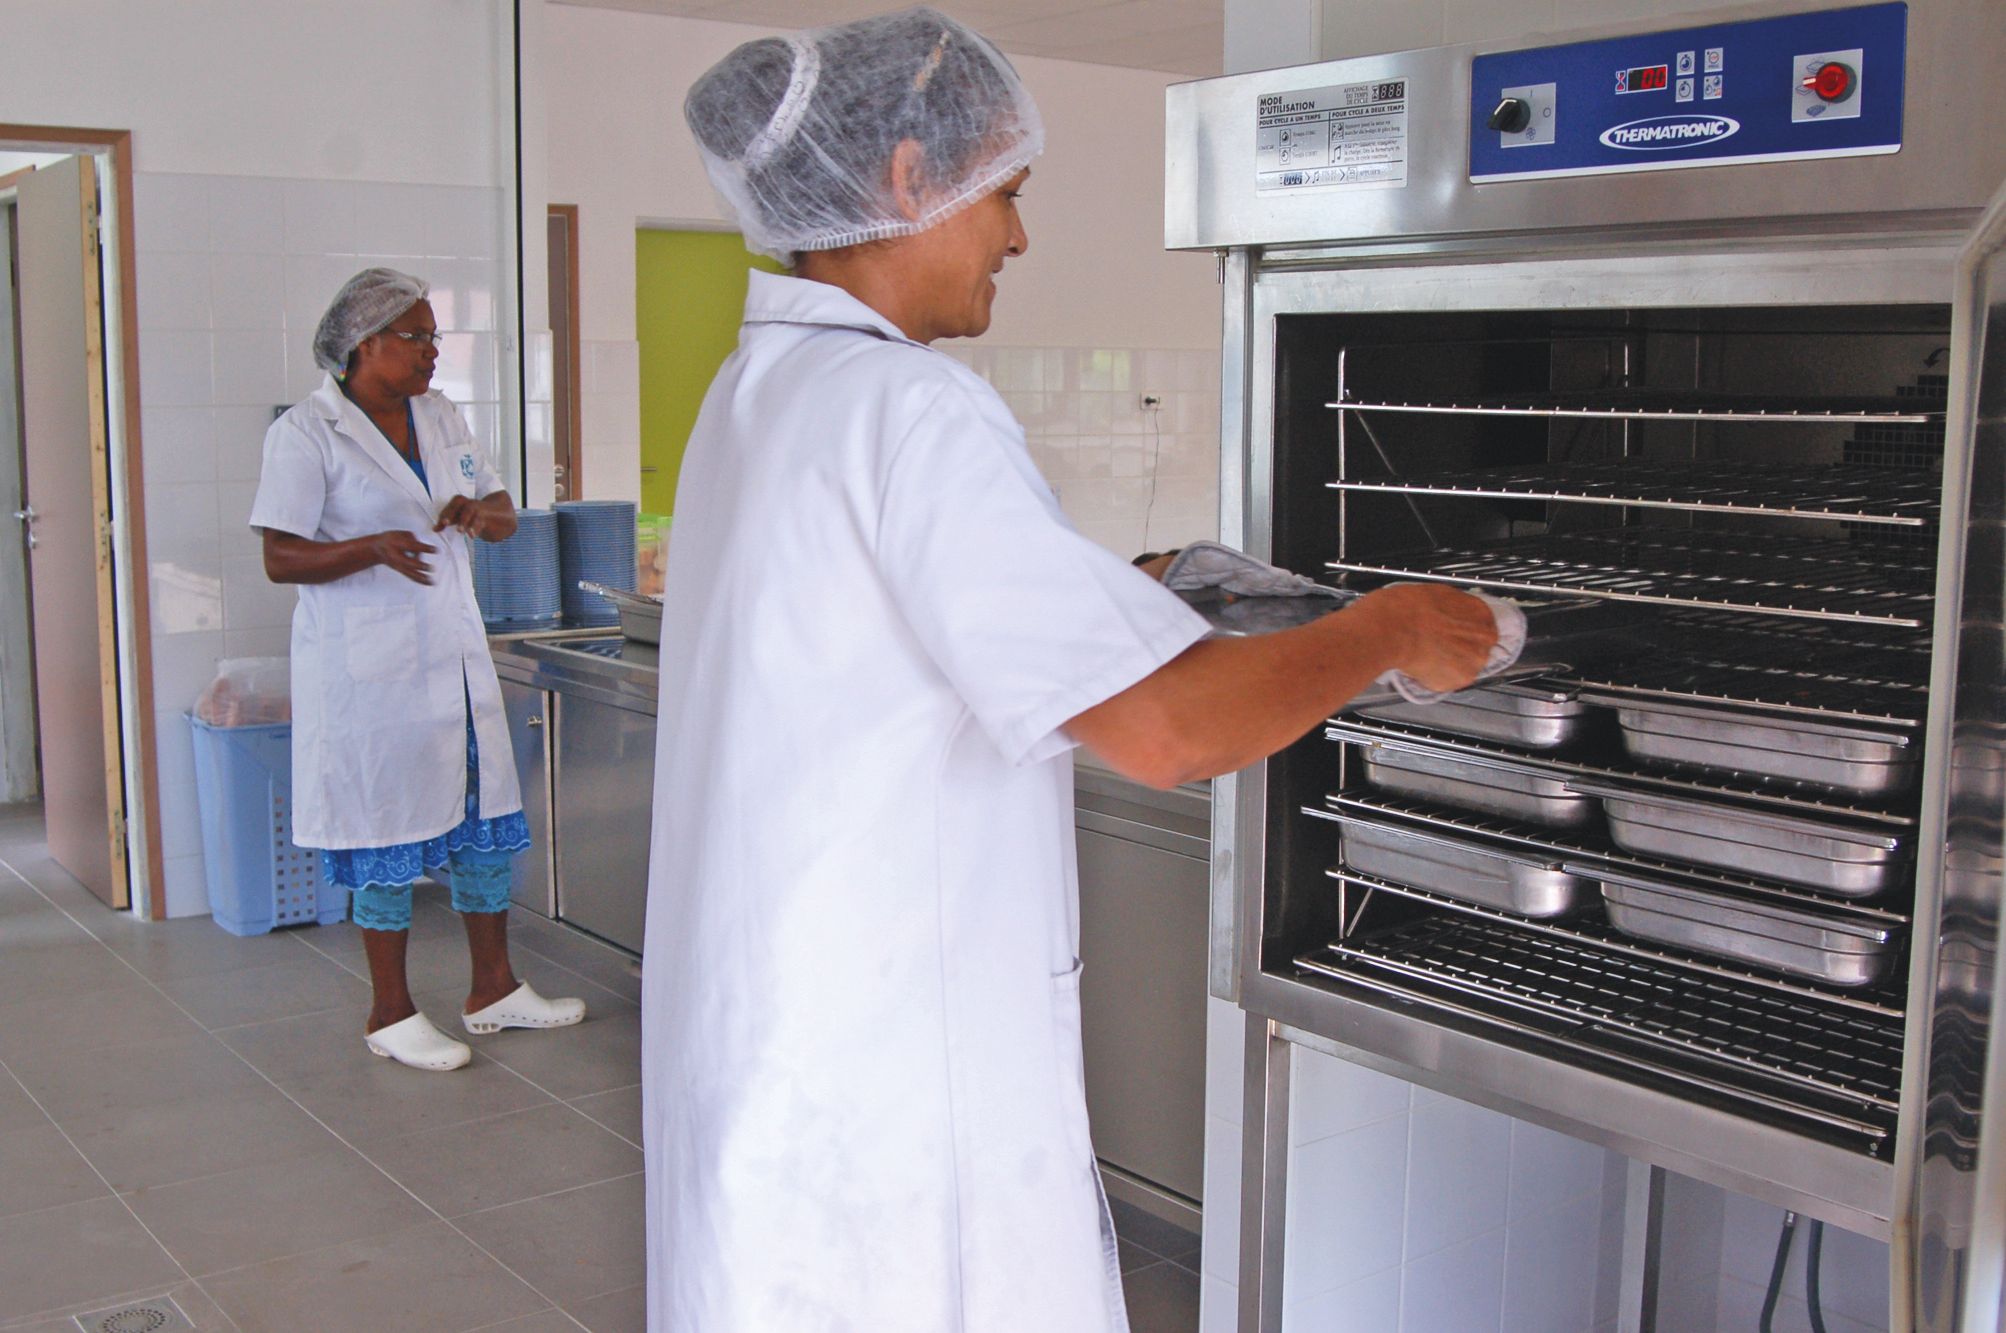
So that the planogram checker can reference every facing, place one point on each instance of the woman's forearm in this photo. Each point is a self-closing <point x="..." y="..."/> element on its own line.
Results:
<point x="502" y="521"/>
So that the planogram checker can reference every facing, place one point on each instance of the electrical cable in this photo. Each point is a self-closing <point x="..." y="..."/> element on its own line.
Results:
<point x="1813" y="1243"/>
<point x="1775" y="1290"/>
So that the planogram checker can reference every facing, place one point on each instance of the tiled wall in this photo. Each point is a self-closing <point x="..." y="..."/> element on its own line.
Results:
<point x="1134" y="479"/>
<point x="1410" y="1212"/>
<point x="233" y="274"/>
<point x="609" y="411"/>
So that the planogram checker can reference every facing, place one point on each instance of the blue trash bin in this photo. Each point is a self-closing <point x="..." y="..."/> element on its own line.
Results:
<point x="257" y="878"/>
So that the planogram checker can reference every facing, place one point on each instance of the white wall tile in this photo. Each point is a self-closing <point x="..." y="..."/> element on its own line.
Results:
<point x="303" y="373"/>
<point x="1549" y="1169"/>
<point x="1458" y="1175"/>
<point x="311" y="282"/>
<point x="1741" y="1308"/>
<point x="183" y="666"/>
<point x="180" y="815"/>
<point x="181" y="524"/>
<point x="1552" y="1261"/>
<point x="250" y="367"/>
<point x="463" y="296"/>
<point x="388" y="219"/>
<point x="1225" y="1059"/>
<point x="1456" y="1290"/>
<point x="1853" y="1272"/>
<point x="187" y="891"/>
<point x="247" y="291"/>
<point x="1332" y="1096"/>
<point x="247" y="216"/>
<point x="233" y="517"/>
<point x="466" y="370"/>
<point x="1346" y="1194"/>
<point x="172" y="291"/>
<point x="178" y="444"/>
<point x="184" y="598"/>
<point x="271" y="641"/>
<point x="252" y="601"/>
<point x="320" y="218"/>
<point x="238" y="440"/>
<point x="1369" y="1305"/>
<point x="1219" y="1251"/>
<point x="461" y="222"/>
<point x="169" y="213"/>
<point x="175" y="368"/>
<point x="1218" y="1306"/>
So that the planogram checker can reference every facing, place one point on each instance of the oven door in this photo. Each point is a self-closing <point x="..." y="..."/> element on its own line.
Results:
<point x="1950" y="1209"/>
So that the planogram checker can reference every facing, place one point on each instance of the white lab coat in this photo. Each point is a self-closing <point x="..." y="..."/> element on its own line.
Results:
<point x="864" y="1106"/>
<point x="379" y="716"/>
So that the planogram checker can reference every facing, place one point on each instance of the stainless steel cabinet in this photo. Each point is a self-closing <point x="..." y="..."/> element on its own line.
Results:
<point x="528" y="712"/>
<point x="605" y="782"/>
<point x="1144" y="885"/>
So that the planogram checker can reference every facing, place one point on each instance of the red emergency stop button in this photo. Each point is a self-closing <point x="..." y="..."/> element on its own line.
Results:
<point x="1833" y="82"/>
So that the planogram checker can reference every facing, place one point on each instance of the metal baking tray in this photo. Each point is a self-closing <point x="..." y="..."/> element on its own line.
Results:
<point x="1532" y="716"/>
<point x="640" y="614"/>
<point x="1470" y="782"/>
<point x="1486" y="874"/>
<point x="1795" y="941"/>
<point x="1863" y="761"/>
<point x="1847" y="860"/>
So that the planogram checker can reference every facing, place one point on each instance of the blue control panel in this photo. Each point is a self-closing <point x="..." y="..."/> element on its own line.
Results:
<point x="1825" y="84"/>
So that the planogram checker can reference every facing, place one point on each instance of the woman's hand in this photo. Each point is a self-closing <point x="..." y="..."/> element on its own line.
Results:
<point x="490" y="519"/>
<point x="404" y="553"/>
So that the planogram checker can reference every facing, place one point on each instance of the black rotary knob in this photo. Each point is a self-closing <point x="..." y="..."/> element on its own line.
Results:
<point x="1512" y="115"/>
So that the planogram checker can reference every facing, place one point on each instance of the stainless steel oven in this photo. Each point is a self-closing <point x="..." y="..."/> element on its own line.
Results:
<point x="1690" y="324"/>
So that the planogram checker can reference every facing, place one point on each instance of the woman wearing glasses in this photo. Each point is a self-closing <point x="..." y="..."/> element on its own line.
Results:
<point x="371" y="491"/>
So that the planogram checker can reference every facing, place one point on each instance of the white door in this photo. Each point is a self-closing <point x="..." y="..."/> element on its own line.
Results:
<point x="68" y="495"/>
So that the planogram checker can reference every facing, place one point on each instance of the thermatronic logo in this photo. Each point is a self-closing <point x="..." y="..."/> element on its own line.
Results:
<point x="1661" y="133"/>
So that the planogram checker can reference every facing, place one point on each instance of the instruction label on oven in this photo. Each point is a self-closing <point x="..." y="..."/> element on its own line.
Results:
<point x="1350" y="137"/>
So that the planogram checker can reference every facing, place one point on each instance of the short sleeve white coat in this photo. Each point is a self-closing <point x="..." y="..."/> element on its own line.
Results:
<point x="864" y="1106"/>
<point x="379" y="709"/>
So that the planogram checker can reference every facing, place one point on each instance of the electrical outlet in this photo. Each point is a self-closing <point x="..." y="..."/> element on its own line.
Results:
<point x="1152" y="402"/>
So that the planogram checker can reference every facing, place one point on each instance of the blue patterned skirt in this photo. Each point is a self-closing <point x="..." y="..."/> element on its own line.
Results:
<point x="406" y="862"/>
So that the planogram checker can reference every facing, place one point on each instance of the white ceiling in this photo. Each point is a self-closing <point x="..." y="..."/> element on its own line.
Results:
<point x="1177" y="36"/>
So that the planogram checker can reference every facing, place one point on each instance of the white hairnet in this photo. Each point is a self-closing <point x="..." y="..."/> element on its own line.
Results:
<point x="797" y="132"/>
<point x="367" y="303"/>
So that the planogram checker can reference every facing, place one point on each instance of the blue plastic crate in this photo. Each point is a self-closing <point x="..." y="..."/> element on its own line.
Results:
<point x="257" y="878"/>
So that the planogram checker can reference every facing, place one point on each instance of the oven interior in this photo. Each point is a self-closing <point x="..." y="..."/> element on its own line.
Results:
<point x="1681" y="851"/>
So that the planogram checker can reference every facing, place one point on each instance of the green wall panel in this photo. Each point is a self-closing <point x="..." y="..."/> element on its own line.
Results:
<point x="689" y="295"/>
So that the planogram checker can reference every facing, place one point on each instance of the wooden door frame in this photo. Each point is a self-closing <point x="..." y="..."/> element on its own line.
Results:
<point x="135" y="626"/>
<point x="574" y="460"/>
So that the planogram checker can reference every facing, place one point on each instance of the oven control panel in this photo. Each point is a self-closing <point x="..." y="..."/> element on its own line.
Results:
<point x="1824" y="84"/>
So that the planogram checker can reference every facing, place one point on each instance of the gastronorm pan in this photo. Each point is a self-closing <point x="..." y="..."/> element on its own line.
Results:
<point x="1843" y="859"/>
<point x="1864" y="761"/>
<point x="640" y="615"/>
<point x="1483" y="873"/>
<point x="1780" y="938"/>
<point x="1533" y="716"/>
<point x="1469" y="782"/>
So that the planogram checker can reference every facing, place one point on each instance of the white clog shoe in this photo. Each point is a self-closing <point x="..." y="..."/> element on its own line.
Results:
<point x="524" y="1008"/>
<point x="415" y="1042"/>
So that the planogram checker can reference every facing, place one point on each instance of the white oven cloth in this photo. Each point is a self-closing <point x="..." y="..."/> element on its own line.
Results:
<point x="1212" y="565"/>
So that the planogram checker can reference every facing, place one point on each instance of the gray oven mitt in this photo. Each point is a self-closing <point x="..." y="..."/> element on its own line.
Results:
<point x="1211" y="565"/>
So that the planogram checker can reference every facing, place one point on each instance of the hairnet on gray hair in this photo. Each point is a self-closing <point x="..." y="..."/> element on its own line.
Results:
<point x="367" y="303"/>
<point x="797" y="132"/>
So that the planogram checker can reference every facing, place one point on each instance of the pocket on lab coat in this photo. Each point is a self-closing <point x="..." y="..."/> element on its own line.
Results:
<point x="1066" y="1048"/>
<point x="380" y="643"/>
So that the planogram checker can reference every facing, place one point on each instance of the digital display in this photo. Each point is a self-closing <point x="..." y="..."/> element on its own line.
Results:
<point x="1644" y="79"/>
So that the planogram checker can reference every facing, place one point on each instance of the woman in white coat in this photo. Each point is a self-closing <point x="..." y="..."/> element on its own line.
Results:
<point x="401" y="756"/>
<point x="863" y="1100"/>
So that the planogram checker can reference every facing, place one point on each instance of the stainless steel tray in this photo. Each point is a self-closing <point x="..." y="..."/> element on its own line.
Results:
<point x="1864" y="761"/>
<point x="1486" y="874"/>
<point x="1472" y="783"/>
<point x="1794" y="941"/>
<point x="640" y="615"/>
<point x="1531" y="716"/>
<point x="1850" y="861"/>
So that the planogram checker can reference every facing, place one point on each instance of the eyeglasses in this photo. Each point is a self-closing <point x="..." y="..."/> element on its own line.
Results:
<point x="432" y="339"/>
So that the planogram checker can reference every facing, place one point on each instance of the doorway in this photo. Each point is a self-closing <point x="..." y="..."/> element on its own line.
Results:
<point x="74" y="437"/>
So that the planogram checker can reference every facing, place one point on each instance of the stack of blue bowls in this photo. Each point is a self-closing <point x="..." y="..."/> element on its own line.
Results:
<point x="595" y="543"/>
<point x="516" y="581"/>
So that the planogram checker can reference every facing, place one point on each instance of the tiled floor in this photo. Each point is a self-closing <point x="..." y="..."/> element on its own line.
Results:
<point x="187" y="1113"/>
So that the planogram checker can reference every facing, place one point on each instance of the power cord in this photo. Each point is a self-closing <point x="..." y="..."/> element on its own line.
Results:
<point x="1814" y="1244"/>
